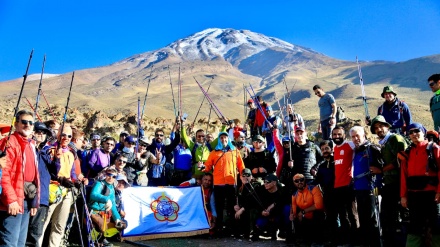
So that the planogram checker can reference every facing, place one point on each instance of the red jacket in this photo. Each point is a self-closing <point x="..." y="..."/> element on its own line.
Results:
<point x="13" y="172"/>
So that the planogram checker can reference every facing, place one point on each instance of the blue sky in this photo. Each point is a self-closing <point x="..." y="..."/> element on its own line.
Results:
<point x="84" y="34"/>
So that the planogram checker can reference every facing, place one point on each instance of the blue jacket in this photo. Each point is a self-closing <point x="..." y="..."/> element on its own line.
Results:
<point x="44" y="160"/>
<point x="397" y="114"/>
<point x="101" y="193"/>
<point x="365" y="156"/>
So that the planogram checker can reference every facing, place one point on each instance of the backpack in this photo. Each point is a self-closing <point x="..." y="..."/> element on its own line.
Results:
<point x="431" y="162"/>
<point x="340" y="114"/>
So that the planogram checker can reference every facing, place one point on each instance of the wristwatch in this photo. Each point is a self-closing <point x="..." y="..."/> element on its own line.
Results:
<point x="303" y="212"/>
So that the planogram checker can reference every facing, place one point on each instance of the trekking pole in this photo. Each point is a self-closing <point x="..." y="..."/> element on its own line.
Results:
<point x="146" y="94"/>
<point x="138" y="125"/>
<point x="364" y="98"/>
<point x="180" y="94"/>
<point x="279" y="106"/>
<point x="39" y="87"/>
<point x="47" y="103"/>
<point x="287" y="91"/>
<point x="33" y="109"/>
<point x="77" y="218"/>
<point x="216" y="110"/>
<point x="202" y="102"/>
<point x="65" y="111"/>
<point x="172" y="92"/>
<point x="3" y="152"/>
<point x="89" y="224"/>
<point x="257" y="103"/>
<point x="209" y="119"/>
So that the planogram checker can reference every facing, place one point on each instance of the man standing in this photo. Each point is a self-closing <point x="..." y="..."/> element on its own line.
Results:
<point x="392" y="144"/>
<point x="420" y="188"/>
<point x="395" y="111"/>
<point x="260" y="161"/>
<point x="367" y="163"/>
<point x="434" y="103"/>
<point x="250" y="121"/>
<point x="225" y="159"/>
<point x="101" y="157"/>
<point x="272" y="122"/>
<point x="20" y="175"/>
<point x="305" y="155"/>
<point x="327" y="111"/>
<point x="291" y="121"/>
<point x="344" y="200"/>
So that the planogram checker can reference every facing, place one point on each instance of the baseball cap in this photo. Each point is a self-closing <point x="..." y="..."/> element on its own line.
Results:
<point x="270" y="177"/>
<point x="41" y="126"/>
<point x="286" y="139"/>
<point x="258" y="138"/>
<point x="250" y="101"/>
<point x="122" y="177"/>
<point x="129" y="139"/>
<point x="246" y="171"/>
<point x="124" y="133"/>
<point x="268" y="108"/>
<point x="95" y="136"/>
<point x="299" y="128"/>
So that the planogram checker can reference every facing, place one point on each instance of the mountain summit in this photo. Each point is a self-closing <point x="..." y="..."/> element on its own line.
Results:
<point x="240" y="48"/>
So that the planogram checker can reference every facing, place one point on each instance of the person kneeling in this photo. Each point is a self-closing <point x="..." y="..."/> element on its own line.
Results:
<point x="307" y="210"/>
<point x="103" y="206"/>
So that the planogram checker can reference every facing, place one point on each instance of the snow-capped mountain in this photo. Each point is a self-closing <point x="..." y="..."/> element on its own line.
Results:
<point x="233" y="46"/>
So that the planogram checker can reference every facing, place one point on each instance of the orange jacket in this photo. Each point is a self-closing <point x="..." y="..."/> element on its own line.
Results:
<point x="305" y="199"/>
<point x="225" y="166"/>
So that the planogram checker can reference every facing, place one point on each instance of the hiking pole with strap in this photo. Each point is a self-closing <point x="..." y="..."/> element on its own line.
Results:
<point x="279" y="106"/>
<point x="3" y="152"/>
<point x="289" y="100"/>
<point x="77" y="217"/>
<point x="216" y="110"/>
<point x="138" y="125"/>
<point x="65" y="111"/>
<point x="364" y="98"/>
<point x="39" y="87"/>
<point x="172" y="92"/>
<point x="47" y="103"/>
<point x="146" y="94"/>
<point x="33" y="109"/>
<point x="195" y="118"/>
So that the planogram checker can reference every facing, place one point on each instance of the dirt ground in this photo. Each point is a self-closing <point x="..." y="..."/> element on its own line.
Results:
<point x="201" y="241"/>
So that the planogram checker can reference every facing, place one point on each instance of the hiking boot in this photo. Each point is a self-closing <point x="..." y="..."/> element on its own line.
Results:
<point x="255" y="237"/>
<point x="106" y="243"/>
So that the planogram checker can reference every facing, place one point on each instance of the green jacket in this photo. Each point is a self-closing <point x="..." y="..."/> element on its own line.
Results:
<point x="201" y="153"/>
<point x="390" y="149"/>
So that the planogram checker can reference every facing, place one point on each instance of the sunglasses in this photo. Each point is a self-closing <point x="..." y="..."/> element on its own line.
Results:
<point x="159" y="135"/>
<point x="66" y="135"/>
<point x="24" y="122"/>
<point x="298" y="180"/>
<point x="122" y="161"/>
<point x="284" y="143"/>
<point x="131" y="143"/>
<point x="414" y="131"/>
<point x="258" y="141"/>
<point x="432" y="84"/>
<point x="246" y="175"/>
<point x="267" y="181"/>
<point x="40" y="132"/>
<point x="111" y="175"/>
<point x="200" y="136"/>
<point x="110" y="144"/>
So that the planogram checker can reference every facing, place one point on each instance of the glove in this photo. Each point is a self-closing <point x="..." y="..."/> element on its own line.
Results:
<point x="65" y="182"/>
<point x="108" y="205"/>
<point x="77" y="184"/>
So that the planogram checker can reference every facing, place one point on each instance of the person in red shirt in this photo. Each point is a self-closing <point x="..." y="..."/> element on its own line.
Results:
<point x="344" y="200"/>
<point x="259" y="117"/>
<point x="19" y="174"/>
<point x="420" y="188"/>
